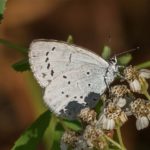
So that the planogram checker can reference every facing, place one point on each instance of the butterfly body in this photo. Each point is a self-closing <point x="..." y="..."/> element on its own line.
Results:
<point x="73" y="77"/>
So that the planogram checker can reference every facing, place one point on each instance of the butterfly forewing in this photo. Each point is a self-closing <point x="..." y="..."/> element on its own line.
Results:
<point x="50" y="58"/>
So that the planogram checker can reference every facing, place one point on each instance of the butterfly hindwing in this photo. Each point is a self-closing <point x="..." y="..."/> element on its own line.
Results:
<point x="73" y="90"/>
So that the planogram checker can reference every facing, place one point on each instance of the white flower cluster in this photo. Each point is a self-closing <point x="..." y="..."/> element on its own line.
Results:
<point x="141" y="110"/>
<point x="111" y="115"/>
<point x="123" y="103"/>
<point x="118" y="104"/>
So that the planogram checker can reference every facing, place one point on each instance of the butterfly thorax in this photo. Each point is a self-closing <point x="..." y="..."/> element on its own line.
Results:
<point x="111" y="71"/>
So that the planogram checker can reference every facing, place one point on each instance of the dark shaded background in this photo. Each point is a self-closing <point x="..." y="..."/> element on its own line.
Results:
<point x="121" y="24"/>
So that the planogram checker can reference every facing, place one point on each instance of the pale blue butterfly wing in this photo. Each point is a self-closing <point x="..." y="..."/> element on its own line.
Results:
<point x="73" y="77"/>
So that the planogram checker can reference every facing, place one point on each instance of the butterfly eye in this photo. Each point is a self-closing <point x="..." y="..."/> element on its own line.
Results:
<point x="113" y="60"/>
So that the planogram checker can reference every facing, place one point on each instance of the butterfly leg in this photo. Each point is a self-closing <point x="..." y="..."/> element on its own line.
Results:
<point x="107" y="85"/>
<point x="121" y="76"/>
<point x="119" y="73"/>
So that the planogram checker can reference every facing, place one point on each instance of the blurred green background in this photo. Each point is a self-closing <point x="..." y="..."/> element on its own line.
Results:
<point x="93" y="24"/>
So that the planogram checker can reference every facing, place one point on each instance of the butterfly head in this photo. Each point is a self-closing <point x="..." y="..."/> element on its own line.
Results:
<point x="113" y="63"/>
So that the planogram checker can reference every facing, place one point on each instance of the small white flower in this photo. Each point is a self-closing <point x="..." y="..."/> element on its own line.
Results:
<point x="135" y="85"/>
<point x="121" y="102"/>
<point x="112" y="114"/>
<point x="142" y="122"/>
<point x="132" y="77"/>
<point x="130" y="73"/>
<point x="119" y="90"/>
<point x="94" y="137"/>
<point x="141" y="110"/>
<point x="107" y="123"/>
<point x="87" y="115"/>
<point x="137" y="79"/>
<point x="110" y="124"/>
<point x="123" y="117"/>
<point x="69" y="138"/>
<point x="145" y="73"/>
<point x="120" y="96"/>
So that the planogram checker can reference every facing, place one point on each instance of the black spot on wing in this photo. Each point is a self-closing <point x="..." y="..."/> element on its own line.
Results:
<point x="67" y="96"/>
<point x="46" y="60"/>
<point x="65" y="77"/>
<point x="48" y="65"/>
<point x="53" y="48"/>
<point x="52" y="72"/>
<point x="88" y="73"/>
<point x="91" y="99"/>
<point x="43" y="75"/>
<point x="47" y="53"/>
<point x="49" y="81"/>
<point x="72" y="110"/>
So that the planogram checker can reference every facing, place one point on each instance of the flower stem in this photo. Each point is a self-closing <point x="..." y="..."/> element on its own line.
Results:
<point x="120" y="137"/>
<point x="113" y="142"/>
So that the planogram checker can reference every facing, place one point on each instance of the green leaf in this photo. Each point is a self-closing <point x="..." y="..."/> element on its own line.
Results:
<point x="70" y="39"/>
<point x="106" y="52"/>
<point x="22" y="65"/>
<point x="74" y="125"/>
<point x="143" y="65"/>
<point x="125" y="59"/>
<point x="99" y="106"/>
<point x="2" y="8"/>
<point x="13" y="46"/>
<point x="31" y="137"/>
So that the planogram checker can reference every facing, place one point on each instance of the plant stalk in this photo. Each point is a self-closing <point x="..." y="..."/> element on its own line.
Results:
<point x="113" y="142"/>
<point x="120" y="137"/>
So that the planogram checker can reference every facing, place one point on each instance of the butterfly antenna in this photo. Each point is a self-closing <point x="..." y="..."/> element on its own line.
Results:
<point x="128" y="51"/>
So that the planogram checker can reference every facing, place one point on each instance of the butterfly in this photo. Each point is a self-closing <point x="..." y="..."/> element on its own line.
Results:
<point x="72" y="77"/>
